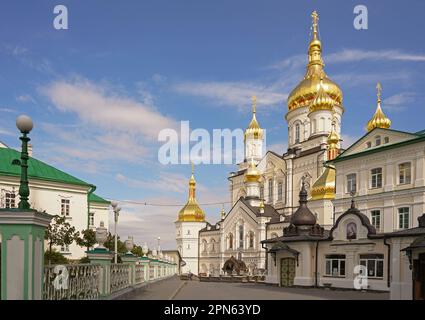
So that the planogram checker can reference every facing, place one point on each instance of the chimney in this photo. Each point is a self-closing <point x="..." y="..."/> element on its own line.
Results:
<point x="30" y="149"/>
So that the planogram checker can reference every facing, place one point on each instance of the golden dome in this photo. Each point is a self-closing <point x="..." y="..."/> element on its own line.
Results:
<point x="322" y="101"/>
<point x="333" y="137"/>
<point x="252" y="174"/>
<point x="306" y="91"/>
<point x="191" y="212"/>
<point x="254" y="129"/>
<point x="379" y="120"/>
<point x="324" y="186"/>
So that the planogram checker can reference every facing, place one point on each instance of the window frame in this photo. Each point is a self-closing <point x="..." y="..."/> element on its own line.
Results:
<point x="372" y="212"/>
<point x="364" y="260"/>
<point x="376" y="176"/>
<point x="339" y="258"/>
<point x="400" y="170"/>
<point x="399" y="213"/>
<point x="347" y="182"/>
<point x="65" y="207"/>
<point x="297" y="133"/>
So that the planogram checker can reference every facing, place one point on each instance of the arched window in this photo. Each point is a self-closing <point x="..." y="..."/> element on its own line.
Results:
<point x="230" y="241"/>
<point x="280" y="191"/>
<point x="251" y="239"/>
<point x="212" y="245"/>
<point x="204" y="245"/>
<point x="378" y="140"/>
<point x="297" y="133"/>
<point x="270" y="190"/>
<point x="241" y="236"/>
<point x="322" y="124"/>
<point x="314" y="126"/>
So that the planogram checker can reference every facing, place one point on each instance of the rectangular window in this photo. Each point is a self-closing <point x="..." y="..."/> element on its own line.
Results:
<point x="374" y="264"/>
<point x="280" y="191"/>
<point x="351" y="183"/>
<point x="297" y="133"/>
<point x="10" y="200"/>
<point x="405" y="173"/>
<point x="376" y="219"/>
<point x="271" y="191"/>
<point x="65" y="207"/>
<point x="376" y="178"/>
<point x="403" y="218"/>
<point x="91" y="219"/>
<point x="335" y="265"/>
<point x="378" y="141"/>
<point x="65" y="248"/>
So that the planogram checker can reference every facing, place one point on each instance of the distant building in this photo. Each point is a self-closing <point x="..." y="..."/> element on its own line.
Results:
<point x="55" y="192"/>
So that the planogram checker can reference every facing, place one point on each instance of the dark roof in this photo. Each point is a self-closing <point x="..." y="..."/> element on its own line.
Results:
<point x="211" y="226"/>
<point x="303" y="216"/>
<point x="419" y="243"/>
<point x="269" y="211"/>
<point x="402" y="233"/>
<point x="300" y="237"/>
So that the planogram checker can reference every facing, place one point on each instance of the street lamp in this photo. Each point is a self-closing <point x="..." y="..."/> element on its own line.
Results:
<point x="116" y="210"/>
<point x="25" y="125"/>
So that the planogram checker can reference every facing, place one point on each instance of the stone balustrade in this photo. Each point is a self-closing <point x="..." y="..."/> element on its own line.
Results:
<point x="100" y="279"/>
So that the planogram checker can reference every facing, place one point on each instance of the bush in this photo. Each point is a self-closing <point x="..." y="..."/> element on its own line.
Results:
<point x="54" y="257"/>
<point x="84" y="260"/>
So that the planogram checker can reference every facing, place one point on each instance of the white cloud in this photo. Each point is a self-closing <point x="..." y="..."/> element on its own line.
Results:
<point x="279" y="148"/>
<point x="352" y="55"/>
<point x="101" y="107"/>
<point x="399" y="101"/>
<point x="25" y="98"/>
<point x="237" y="94"/>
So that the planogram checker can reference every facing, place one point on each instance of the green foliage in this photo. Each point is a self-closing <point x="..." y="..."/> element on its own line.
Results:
<point x="54" y="257"/>
<point x="110" y="244"/>
<point x="137" y="250"/>
<point x="59" y="233"/>
<point x="84" y="260"/>
<point x="88" y="239"/>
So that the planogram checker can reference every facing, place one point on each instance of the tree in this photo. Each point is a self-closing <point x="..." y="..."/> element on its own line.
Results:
<point x="110" y="244"/>
<point x="54" y="257"/>
<point x="59" y="233"/>
<point x="137" y="250"/>
<point x="88" y="239"/>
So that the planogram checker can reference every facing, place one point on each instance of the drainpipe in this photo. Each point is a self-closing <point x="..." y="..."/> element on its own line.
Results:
<point x="316" y="278"/>
<point x="91" y="190"/>
<point x="388" y="261"/>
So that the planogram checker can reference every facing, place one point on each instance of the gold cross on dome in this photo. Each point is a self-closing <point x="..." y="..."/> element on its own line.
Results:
<point x="379" y="91"/>
<point x="315" y="17"/>
<point x="254" y="104"/>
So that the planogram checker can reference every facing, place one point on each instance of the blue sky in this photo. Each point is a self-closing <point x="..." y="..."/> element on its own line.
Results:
<point x="99" y="91"/>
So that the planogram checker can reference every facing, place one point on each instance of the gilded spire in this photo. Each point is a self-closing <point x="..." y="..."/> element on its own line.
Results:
<point x="379" y="119"/>
<point x="191" y="212"/>
<point x="306" y="91"/>
<point x="254" y="128"/>
<point x="222" y="213"/>
<point x="333" y="140"/>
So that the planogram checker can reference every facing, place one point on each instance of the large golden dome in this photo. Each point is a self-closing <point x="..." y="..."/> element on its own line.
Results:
<point x="305" y="92"/>
<point x="191" y="212"/>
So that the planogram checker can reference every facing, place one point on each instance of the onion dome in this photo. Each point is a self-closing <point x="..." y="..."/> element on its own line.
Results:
<point x="191" y="212"/>
<point x="379" y="120"/>
<point x="322" y="101"/>
<point x="306" y="91"/>
<point x="222" y="213"/>
<point x="332" y="141"/>
<point x="252" y="174"/>
<point x="303" y="216"/>
<point x="254" y="130"/>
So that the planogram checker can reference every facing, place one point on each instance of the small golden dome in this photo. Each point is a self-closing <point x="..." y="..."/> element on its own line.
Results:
<point x="254" y="130"/>
<point x="191" y="212"/>
<point x="379" y="119"/>
<point x="324" y="186"/>
<point x="333" y="137"/>
<point x="306" y="91"/>
<point x="252" y="174"/>
<point x="322" y="101"/>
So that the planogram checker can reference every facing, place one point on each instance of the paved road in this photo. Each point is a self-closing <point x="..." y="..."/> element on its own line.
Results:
<point x="176" y="289"/>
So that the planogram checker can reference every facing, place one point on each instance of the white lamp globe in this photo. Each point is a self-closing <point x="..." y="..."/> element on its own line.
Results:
<point x="24" y="123"/>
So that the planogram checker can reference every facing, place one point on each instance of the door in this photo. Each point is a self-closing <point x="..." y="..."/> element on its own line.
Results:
<point x="287" y="272"/>
<point x="419" y="278"/>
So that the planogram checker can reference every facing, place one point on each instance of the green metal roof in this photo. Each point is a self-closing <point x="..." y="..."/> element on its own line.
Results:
<point x="95" y="198"/>
<point x="36" y="169"/>
<point x="419" y="138"/>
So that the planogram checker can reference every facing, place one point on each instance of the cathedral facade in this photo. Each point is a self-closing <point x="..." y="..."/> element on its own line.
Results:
<point x="264" y="190"/>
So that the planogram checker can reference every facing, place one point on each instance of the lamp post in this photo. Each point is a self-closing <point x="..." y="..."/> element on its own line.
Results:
<point x="116" y="210"/>
<point x="25" y="125"/>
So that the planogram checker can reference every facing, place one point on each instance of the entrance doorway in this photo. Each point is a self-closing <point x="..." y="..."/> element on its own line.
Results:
<point x="419" y="278"/>
<point x="287" y="272"/>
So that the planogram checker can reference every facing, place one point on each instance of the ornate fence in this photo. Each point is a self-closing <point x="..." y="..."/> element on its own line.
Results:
<point x="71" y="282"/>
<point x="94" y="281"/>
<point x="120" y="277"/>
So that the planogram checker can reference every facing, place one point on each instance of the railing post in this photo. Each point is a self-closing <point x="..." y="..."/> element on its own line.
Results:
<point x="130" y="259"/>
<point x="145" y="262"/>
<point x="103" y="258"/>
<point x="22" y="253"/>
